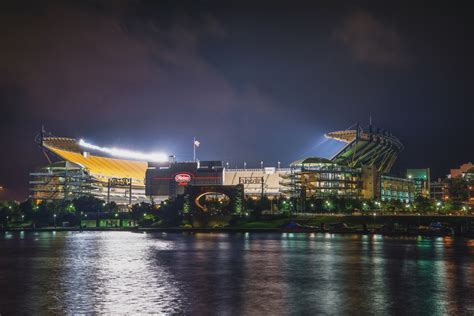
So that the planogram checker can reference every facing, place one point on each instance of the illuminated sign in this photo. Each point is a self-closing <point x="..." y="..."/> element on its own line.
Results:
<point x="120" y="182"/>
<point x="251" y="180"/>
<point x="182" y="178"/>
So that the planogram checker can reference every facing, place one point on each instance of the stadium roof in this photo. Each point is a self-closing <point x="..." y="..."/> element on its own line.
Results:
<point x="102" y="168"/>
<point x="371" y="148"/>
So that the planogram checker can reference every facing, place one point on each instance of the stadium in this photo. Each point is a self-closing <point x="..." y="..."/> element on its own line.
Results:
<point x="358" y="170"/>
<point x="76" y="169"/>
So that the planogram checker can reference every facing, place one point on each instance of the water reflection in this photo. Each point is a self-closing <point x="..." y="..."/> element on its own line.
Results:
<point x="129" y="273"/>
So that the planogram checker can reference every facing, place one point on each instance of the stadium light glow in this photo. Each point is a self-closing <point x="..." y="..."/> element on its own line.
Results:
<point x="124" y="153"/>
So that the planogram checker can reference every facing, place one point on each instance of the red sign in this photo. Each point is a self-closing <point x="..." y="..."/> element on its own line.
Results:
<point x="182" y="178"/>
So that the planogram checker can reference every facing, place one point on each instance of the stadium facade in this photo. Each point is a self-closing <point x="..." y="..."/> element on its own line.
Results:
<point x="74" y="171"/>
<point x="358" y="170"/>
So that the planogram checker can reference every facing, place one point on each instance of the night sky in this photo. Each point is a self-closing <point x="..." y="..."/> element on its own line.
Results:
<point x="251" y="81"/>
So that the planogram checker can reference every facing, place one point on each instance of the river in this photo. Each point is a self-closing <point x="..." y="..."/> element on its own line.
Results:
<point x="241" y="273"/>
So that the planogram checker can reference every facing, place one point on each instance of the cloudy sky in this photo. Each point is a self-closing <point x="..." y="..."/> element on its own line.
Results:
<point x="251" y="80"/>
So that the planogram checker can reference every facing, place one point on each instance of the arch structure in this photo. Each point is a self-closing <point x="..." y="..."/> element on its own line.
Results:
<point x="234" y="193"/>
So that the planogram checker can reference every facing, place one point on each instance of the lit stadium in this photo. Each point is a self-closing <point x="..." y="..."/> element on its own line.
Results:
<point x="77" y="168"/>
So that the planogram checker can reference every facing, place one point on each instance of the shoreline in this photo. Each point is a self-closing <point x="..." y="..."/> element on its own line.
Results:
<point x="238" y="230"/>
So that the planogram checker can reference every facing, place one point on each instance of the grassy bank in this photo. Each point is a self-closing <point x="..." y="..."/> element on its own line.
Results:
<point x="359" y="221"/>
<point x="379" y="220"/>
<point x="356" y="222"/>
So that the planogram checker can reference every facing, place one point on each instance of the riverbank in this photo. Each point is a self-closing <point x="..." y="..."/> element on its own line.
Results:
<point x="180" y="230"/>
<point x="394" y="225"/>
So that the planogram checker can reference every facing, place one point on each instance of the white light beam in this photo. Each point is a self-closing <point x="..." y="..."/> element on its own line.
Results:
<point x="124" y="153"/>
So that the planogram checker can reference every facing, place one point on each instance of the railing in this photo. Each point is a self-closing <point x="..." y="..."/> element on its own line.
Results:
<point x="255" y="170"/>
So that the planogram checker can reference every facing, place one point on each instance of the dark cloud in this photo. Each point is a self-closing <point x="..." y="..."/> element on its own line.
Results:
<point x="77" y="62"/>
<point x="370" y="40"/>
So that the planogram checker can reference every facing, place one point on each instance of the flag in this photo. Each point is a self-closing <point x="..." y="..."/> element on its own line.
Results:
<point x="197" y="143"/>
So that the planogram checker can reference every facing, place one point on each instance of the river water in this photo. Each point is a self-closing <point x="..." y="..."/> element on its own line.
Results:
<point x="245" y="273"/>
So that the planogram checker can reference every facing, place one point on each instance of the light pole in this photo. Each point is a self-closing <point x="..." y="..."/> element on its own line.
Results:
<point x="194" y="149"/>
<point x="54" y="216"/>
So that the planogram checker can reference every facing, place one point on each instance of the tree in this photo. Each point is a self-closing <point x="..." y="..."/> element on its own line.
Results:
<point x="142" y="210"/>
<point x="457" y="189"/>
<point x="27" y="209"/>
<point x="44" y="214"/>
<point x="170" y="211"/>
<point x="111" y="207"/>
<point x="423" y="204"/>
<point x="88" y="204"/>
<point x="7" y="212"/>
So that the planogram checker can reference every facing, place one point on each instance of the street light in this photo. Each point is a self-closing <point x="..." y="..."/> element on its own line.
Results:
<point x="54" y="216"/>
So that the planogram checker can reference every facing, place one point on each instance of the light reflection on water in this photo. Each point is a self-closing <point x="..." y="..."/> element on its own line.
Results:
<point x="118" y="273"/>
<point x="127" y="273"/>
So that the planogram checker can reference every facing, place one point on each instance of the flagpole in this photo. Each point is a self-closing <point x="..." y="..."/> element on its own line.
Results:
<point x="194" y="149"/>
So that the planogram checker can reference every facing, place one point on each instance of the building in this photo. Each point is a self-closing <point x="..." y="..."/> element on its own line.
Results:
<point x="393" y="188"/>
<point x="358" y="170"/>
<point x="315" y="177"/>
<point x="462" y="170"/>
<point x="75" y="171"/>
<point x="170" y="179"/>
<point x="465" y="172"/>
<point x="422" y="181"/>
<point x="439" y="190"/>
<point x="257" y="182"/>
<point x="61" y="180"/>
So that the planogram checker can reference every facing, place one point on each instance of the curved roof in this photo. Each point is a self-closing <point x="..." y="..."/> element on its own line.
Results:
<point x="367" y="148"/>
<point x="102" y="168"/>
